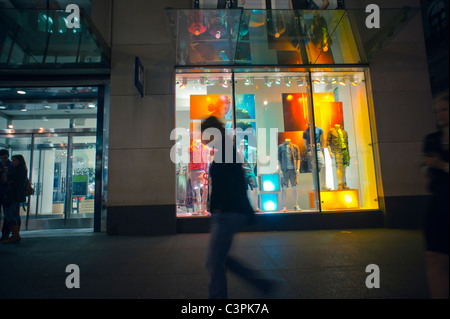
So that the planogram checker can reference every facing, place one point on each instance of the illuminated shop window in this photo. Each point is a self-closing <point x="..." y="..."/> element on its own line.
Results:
<point x="322" y="156"/>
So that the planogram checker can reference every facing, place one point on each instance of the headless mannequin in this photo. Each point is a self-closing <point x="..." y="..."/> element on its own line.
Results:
<point x="323" y="186"/>
<point x="287" y="142"/>
<point x="202" y="189"/>
<point x="340" y="168"/>
<point x="249" y="170"/>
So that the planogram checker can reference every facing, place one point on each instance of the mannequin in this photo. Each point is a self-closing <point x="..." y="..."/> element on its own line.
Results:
<point x="248" y="154"/>
<point x="289" y="160"/>
<point x="338" y="146"/>
<point x="200" y="159"/>
<point x="181" y="173"/>
<point x="319" y="141"/>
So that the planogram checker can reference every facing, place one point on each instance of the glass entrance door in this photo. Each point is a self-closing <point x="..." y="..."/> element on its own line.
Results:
<point x="49" y="171"/>
<point x="61" y="167"/>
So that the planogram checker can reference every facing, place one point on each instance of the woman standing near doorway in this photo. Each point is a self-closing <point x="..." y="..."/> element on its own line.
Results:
<point x="15" y="194"/>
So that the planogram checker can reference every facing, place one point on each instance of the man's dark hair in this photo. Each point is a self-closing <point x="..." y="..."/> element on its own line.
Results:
<point x="213" y="122"/>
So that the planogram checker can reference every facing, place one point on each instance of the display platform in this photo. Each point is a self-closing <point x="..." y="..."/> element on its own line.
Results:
<point x="336" y="199"/>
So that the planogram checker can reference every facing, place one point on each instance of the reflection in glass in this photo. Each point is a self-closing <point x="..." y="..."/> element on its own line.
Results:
<point x="263" y="37"/>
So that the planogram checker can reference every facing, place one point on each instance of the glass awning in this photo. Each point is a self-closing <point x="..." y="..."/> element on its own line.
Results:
<point x="236" y="37"/>
<point x="40" y="40"/>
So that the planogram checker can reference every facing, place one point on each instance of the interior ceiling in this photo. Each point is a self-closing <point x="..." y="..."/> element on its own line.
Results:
<point x="48" y="102"/>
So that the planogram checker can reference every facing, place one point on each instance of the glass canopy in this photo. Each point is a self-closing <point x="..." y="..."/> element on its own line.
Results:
<point x="41" y="39"/>
<point x="280" y="37"/>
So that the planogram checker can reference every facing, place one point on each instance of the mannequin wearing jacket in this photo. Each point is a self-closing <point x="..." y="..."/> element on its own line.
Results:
<point x="248" y="154"/>
<point x="338" y="146"/>
<point x="289" y="160"/>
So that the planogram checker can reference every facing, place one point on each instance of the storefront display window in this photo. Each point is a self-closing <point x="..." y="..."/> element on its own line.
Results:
<point x="304" y="138"/>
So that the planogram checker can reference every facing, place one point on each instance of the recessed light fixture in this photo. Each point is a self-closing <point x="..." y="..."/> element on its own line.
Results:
<point x="2" y="107"/>
<point x="249" y="81"/>
<point x="223" y="83"/>
<point x="91" y="106"/>
<point x="10" y="126"/>
<point x="183" y="83"/>
<point x="21" y="92"/>
<point x="23" y="109"/>
<point x="287" y="81"/>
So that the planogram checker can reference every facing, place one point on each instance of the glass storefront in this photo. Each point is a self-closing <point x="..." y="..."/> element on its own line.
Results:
<point x="55" y="129"/>
<point x="305" y="137"/>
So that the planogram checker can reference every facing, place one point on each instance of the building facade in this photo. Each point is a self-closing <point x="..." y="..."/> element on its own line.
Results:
<point x="373" y="83"/>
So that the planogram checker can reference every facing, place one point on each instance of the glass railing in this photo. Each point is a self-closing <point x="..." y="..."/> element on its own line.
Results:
<point x="280" y="37"/>
<point x="43" y="38"/>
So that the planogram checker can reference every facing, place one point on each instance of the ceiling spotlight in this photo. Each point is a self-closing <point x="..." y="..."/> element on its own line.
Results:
<point x="287" y="81"/>
<point x="315" y="81"/>
<point x="342" y="82"/>
<point x="2" y="107"/>
<point x="91" y="106"/>
<point x="21" y="92"/>
<point x="223" y="82"/>
<point x="265" y="102"/>
<point x="278" y="81"/>
<point x="333" y="81"/>
<point x="267" y="81"/>
<point x="10" y="126"/>
<point x="183" y="83"/>
<point x="300" y="82"/>
<point x="249" y="81"/>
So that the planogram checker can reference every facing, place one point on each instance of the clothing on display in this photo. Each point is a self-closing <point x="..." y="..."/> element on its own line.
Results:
<point x="197" y="185"/>
<point x="288" y="156"/>
<point x="289" y="160"/>
<point x="318" y="135"/>
<point x="338" y="145"/>
<point x="319" y="141"/>
<point x="248" y="154"/>
<point x="199" y="156"/>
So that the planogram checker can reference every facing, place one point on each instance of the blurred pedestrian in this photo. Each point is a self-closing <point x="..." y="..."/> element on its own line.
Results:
<point x="5" y="166"/>
<point x="15" y="195"/>
<point x="230" y="210"/>
<point x="436" y="161"/>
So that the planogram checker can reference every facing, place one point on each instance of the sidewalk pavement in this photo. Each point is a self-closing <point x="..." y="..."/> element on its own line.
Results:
<point x="306" y="264"/>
